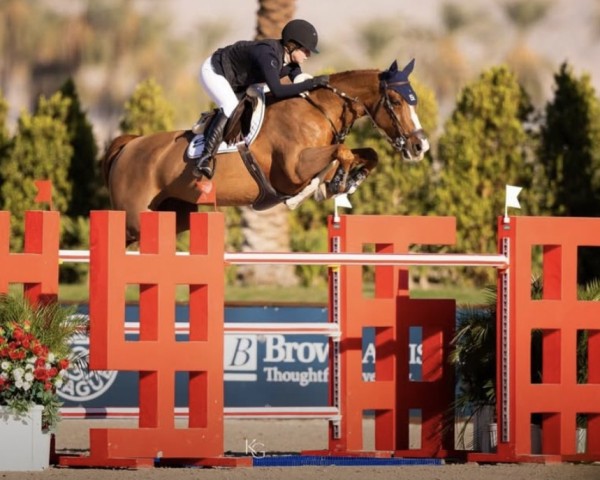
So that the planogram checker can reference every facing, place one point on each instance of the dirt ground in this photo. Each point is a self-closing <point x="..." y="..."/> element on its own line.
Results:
<point x="279" y="436"/>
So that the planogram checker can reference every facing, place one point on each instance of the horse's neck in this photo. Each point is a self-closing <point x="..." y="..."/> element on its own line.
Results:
<point x="359" y="84"/>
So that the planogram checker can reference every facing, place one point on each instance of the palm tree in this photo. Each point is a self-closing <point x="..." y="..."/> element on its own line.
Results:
<point x="528" y="66"/>
<point x="268" y="230"/>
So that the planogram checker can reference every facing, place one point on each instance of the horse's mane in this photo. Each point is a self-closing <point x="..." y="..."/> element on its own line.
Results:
<point x="341" y="76"/>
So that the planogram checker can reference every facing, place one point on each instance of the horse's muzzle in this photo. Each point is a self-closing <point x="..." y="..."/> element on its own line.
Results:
<point x="414" y="148"/>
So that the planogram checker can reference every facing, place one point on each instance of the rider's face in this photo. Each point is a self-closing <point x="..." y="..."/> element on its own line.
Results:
<point x="299" y="55"/>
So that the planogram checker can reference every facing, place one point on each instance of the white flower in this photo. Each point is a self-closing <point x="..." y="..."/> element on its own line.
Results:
<point x="29" y="377"/>
<point x="19" y="383"/>
<point x="31" y="360"/>
<point x="58" y="383"/>
<point x="4" y="376"/>
<point x="26" y="386"/>
<point x="18" y="373"/>
<point x="51" y="357"/>
<point x="29" y="367"/>
<point x="5" y="365"/>
<point x="62" y="373"/>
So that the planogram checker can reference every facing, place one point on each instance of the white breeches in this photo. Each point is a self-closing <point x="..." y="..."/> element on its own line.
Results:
<point x="218" y="88"/>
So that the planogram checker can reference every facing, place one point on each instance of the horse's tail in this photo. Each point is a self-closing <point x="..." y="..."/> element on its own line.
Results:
<point x="112" y="152"/>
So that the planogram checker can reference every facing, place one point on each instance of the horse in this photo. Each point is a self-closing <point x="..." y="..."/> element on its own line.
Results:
<point x="298" y="152"/>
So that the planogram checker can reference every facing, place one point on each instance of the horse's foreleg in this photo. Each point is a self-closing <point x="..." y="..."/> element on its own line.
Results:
<point x="349" y="176"/>
<point x="366" y="160"/>
<point x="313" y="161"/>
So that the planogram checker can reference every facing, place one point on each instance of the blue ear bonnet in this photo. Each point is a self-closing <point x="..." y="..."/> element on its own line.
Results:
<point x="397" y="80"/>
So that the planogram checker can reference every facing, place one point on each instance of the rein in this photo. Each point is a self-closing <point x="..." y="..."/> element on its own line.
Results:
<point x="339" y="136"/>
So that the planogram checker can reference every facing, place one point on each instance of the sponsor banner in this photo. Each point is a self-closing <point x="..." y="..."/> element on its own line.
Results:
<point x="260" y="369"/>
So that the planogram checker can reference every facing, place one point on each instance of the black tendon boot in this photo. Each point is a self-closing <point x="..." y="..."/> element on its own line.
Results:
<point x="212" y="140"/>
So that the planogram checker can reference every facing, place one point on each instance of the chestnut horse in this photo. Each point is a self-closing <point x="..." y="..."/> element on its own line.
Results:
<point x="298" y="150"/>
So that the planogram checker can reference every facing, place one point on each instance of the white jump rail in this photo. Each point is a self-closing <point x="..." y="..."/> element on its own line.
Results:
<point x="258" y="328"/>
<point x="322" y="413"/>
<point x="335" y="259"/>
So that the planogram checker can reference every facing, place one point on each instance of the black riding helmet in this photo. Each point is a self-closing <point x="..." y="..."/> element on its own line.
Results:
<point x="301" y="32"/>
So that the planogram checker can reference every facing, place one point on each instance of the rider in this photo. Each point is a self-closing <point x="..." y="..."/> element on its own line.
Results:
<point x="230" y="70"/>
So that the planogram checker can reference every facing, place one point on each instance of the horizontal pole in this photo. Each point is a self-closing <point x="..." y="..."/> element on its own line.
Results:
<point x="325" y="413"/>
<point x="337" y="259"/>
<point x="257" y="328"/>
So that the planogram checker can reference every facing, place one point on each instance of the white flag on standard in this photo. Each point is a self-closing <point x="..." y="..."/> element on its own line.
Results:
<point x="512" y="194"/>
<point x="340" y="201"/>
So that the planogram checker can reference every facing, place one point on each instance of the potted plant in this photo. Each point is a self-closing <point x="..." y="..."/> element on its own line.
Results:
<point x="34" y="358"/>
<point x="474" y="356"/>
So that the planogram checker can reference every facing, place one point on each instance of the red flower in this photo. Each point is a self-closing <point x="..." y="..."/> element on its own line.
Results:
<point x="16" y="354"/>
<point x="53" y="372"/>
<point x="40" y="374"/>
<point x="47" y="386"/>
<point x="40" y="362"/>
<point x="18" y="333"/>
<point x="63" y="364"/>
<point x="39" y="350"/>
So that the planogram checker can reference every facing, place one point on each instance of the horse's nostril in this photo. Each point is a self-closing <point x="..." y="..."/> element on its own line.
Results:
<point x="418" y="147"/>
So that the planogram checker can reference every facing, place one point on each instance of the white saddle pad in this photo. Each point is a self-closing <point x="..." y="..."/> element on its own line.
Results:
<point x="196" y="146"/>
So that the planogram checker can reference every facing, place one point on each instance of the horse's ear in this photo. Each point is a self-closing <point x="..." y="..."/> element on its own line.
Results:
<point x="393" y="67"/>
<point x="409" y="68"/>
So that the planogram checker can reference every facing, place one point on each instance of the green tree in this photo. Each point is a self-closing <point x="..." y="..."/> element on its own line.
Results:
<point x="484" y="147"/>
<point x="84" y="173"/>
<point x="570" y="147"/>
<point x="569" y="173"/>
<point x="147" y="111"/>
<point x="41" y="151"/>
<point x="4" y="140"/>
<point x="526" y="63"/>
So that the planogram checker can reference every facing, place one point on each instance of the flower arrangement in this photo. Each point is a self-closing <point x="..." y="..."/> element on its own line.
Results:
<point x="34" y="354"/>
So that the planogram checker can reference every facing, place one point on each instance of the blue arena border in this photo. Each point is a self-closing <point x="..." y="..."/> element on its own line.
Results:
<point x="327" y="461"/>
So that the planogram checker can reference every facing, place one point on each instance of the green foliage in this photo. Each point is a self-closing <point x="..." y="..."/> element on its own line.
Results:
<point x="84" y="171"/>
<point x="41" y="151"/>
<point x="484" y="147"/>
<point x="570" y="148"/>
<point x="147" y="111"/>
<point x="4" y="140"/>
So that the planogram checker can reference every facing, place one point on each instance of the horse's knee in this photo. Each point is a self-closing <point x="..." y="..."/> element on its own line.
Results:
<point x="366" y="153"/>
<point x="345" y="155"/>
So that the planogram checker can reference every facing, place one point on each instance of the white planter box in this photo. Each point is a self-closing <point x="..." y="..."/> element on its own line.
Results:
<point x="23" y="445"/>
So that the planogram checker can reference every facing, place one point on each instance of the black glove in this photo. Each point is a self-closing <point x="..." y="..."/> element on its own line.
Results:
<point x="320" y="81"/>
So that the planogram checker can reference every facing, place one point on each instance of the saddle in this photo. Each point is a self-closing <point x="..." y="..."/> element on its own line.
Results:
<point x="241" y="130"/>
<point x="243" y="125"/>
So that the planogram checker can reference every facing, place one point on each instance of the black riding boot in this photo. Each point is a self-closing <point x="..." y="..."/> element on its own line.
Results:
<point x="212" y="140"/>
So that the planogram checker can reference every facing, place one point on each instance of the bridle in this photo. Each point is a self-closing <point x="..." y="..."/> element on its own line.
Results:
<point x="398" y="142"/>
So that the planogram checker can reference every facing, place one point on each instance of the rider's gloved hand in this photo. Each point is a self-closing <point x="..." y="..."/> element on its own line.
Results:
<point x="320" y="81"/>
